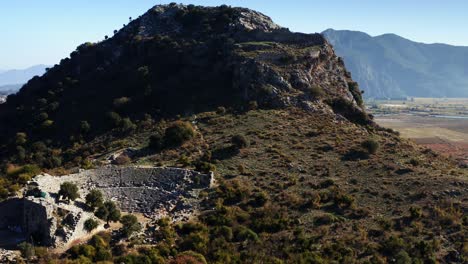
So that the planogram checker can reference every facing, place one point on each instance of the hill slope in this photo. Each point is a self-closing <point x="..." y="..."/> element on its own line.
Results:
<point x="303" y="174"/>
<point x="391" y="66"/>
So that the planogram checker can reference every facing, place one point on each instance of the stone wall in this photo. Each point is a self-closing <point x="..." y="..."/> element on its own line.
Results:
<point x="25" y="219"/>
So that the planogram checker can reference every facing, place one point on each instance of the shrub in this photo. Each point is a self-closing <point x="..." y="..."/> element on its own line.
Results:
<point x="119" y="102"/>
<point x="69" y="191"/>
<point x="156" y="141"/>
<point x="178" y="133"/>
<point x="205" y="167"/>
<point x="403" y="258"/>
<point x="122" y="160"/>
<point x="252" y="105"/>
<point x="221" y="110"/>
<point x="239" y="141"/>
<point x="393" y="245"/>
<point x="415" y="212"/>
<point x="114" y="119"/>
<point x="94" y="199"/>
<point x="245" y="233"/>
<point x="90" y="225"/>
<point x="316" y="91"/>
<point x="371" y="146"/>
<point x="85" y="127"/>
<point x="21" y="138"/>
<point x="415" y="162"/>
<point x="349" y="110"/>
<point x="126" y="125"/>
<point x="27" y="250"/>
<point x="325" y="219"/>
<point x="354" y="89"/>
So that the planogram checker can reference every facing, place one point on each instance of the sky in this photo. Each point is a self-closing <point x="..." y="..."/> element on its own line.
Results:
<point x="45" y="31"/>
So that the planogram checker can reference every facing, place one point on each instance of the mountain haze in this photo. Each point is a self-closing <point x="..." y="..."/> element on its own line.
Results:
<point x="392" y="66"/>
<point x="21" y="76"/>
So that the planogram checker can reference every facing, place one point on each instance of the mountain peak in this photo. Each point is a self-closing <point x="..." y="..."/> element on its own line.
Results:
<point x="179" y="19"/>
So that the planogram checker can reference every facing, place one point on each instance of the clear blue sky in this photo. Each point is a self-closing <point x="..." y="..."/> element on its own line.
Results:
<point x="44" y="31"/>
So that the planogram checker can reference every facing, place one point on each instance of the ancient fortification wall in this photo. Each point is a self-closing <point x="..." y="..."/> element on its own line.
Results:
<point x="152" y="191"/>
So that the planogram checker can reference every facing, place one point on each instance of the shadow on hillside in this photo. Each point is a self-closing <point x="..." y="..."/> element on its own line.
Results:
<point x="225" y="153"/>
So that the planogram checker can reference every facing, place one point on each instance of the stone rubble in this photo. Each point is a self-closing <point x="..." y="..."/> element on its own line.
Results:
<point x="152" y="191"/>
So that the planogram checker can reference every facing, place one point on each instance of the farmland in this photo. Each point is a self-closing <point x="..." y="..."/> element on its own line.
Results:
<point x="438" y="123"/>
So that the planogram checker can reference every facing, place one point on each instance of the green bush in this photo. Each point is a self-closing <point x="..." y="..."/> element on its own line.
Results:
<point x="205" y="167"/>
<point x="239" y="141"/>
<point x="126" y="125"/>
<point x="90" y="225"/>
<point x="245" y="233"/>
<point x="27" y="250"/>
<point x="156" y="141"/>
<point x="354" y="89"/>
<point x="415" y="212"/>
<point x="178" y="133"/>
<point x="316" y="91"/>
<point x="69" y="191"/>
<point x="371" y="146"/>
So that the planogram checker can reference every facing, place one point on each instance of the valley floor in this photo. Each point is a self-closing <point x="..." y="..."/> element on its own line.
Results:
<point x="439" y="124"/>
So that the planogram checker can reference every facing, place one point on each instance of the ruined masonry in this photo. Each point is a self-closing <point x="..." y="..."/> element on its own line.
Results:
<point x="152" y="191"/>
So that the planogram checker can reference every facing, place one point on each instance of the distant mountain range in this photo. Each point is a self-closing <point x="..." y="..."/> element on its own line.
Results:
<point x="12" y="80"/>
<point x="392" y="66"/>
<point x="9" y="88"/>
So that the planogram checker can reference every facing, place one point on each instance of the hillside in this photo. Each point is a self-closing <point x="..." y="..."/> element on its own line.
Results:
<point x="392" y="66"/>
<point x="303" y="174"/>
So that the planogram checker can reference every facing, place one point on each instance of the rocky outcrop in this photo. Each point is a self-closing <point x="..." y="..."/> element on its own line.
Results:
<point x="179" y="60"/>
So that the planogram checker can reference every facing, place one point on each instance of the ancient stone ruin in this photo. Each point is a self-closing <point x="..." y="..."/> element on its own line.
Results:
<point x="154" y="192"/>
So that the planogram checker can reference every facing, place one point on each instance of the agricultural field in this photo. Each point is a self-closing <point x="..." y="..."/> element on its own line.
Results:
<point x="438" y="123"/>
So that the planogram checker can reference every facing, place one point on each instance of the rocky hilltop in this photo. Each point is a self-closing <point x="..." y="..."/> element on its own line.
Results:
<point x="303" y="175"/>
<point x="178" y="60"/>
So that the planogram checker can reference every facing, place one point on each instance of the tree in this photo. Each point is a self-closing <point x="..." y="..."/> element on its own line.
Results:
<point x="90" y="225"/>
<point x="69" y="191"/>
<point x="108" y="212"/>
<point x="130" y="225"/>
<point x="94" y="199"/>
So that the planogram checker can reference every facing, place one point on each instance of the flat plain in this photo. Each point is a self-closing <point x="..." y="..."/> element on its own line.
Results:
<point x="437" y="123"/>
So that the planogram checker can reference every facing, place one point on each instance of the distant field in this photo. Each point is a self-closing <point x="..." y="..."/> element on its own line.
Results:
<point x="438" y="123"/>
